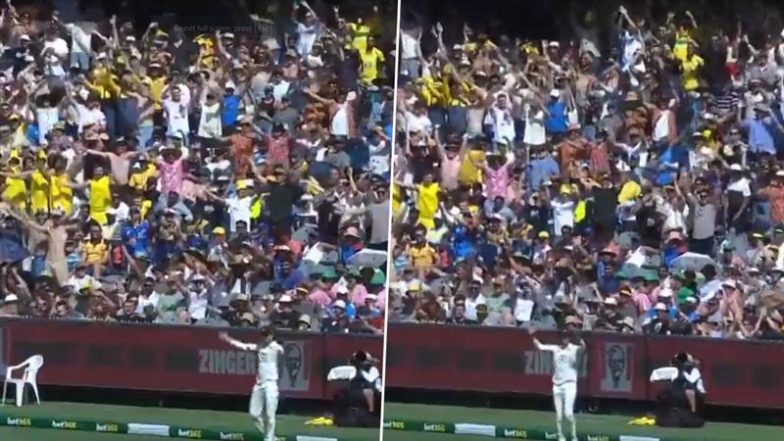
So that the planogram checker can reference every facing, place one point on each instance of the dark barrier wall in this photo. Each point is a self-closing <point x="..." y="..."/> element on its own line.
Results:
<point x="502" y="360"/>
<point x="171" y="358"/>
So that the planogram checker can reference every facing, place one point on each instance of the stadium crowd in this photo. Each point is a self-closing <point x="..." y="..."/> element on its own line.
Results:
<point x="238" y="177"/>
<point x="624" y="177"/>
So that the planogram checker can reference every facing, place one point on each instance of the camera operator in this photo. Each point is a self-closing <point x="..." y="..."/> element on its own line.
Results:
<point x="359" y="404"/>
<point x="681" y="404"/>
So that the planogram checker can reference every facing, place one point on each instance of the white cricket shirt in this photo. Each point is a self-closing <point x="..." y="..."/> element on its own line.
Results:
<point x="564" y="362"/>
<point x="268" y="360"/>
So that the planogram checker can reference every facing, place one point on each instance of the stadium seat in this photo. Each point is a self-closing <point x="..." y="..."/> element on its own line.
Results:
<point x="29" y="376"/>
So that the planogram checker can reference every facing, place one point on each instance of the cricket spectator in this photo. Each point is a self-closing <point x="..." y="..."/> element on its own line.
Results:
<point x="625" y="177"/>
<point x="232" y="177"/>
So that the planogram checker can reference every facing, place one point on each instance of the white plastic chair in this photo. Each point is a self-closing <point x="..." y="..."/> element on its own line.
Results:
<point x="341" y="373"/>
<point x="29" y="376"/>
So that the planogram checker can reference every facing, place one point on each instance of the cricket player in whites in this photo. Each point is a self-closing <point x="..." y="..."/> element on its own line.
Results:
<point x="264" y="397"/>
<point x="565" y="365"/>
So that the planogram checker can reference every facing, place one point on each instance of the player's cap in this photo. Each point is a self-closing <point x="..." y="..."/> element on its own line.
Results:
<point x="266" y="331"/>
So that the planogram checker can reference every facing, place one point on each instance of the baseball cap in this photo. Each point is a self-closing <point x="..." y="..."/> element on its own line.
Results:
<point x="339" y="304"/>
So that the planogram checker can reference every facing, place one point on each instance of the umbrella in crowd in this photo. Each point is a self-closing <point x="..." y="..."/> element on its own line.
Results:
<point x="368" y="258"/>
<point x="156" y="176"/>
<point x="692" y="261"/>
<point x="625" y="177"/>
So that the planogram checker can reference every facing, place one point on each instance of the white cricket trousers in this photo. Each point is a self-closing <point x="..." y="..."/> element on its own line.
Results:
<point x="563" y="397"/>
<point x="263" y="405"/>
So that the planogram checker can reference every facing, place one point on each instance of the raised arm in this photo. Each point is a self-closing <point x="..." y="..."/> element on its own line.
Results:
<point x="21" y="175"/>
<point x="75" y="186"/>
<point x="538" y="344"/>
<point x="26" y="221"/>
<point x="237" y="343"/>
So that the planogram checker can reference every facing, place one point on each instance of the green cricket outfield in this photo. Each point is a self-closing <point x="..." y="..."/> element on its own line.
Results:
<point x="416" y="422"/>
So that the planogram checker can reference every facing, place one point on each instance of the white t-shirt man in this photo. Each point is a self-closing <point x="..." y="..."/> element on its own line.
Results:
<point x="339" y="124"/>
<point x="280" y="90"/>
<point x="742" y="186"/>
<point x="81" y="35"/>
<point x="197" y="307"/>
<point x="239" y="210"/>
<point x="503" y="124"/>
<point x="409" y="44"/>
<point x="152" y="299"/>
<point x="471" y="304"/>
<point x="418" y="123"/>
<point x="58" y="45"/>
<point x="563" y="213"/>
<point x="176" y="115"/>
<point x="534" y="126"/>
<point x="46" y="117"/>
<point x="210" y="125"/>
<point x="307" y="37"/>
<point x="379" y="162"/>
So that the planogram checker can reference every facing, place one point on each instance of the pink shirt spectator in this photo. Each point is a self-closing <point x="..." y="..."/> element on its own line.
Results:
<point x="358" y="294"/>
<point x="642" y="301"/>
<point x="278" y="151"/>
<point x="449" y="171"/>
<point x="172" y="175"/>
<point x="320" y="297"/>
<point x="497" y="182"/>
<point x="600" y="160"/>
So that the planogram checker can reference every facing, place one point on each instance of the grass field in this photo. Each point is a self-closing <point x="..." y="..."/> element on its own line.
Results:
<point x="201" y="419"/>
<point x="586" y="423"/>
